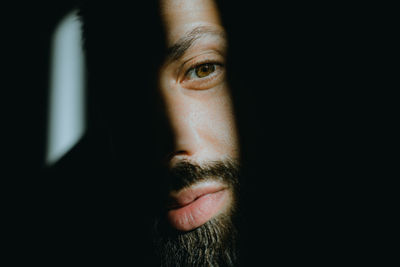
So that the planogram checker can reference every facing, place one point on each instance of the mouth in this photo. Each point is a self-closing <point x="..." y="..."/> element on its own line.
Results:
<point x="192" y="207"/>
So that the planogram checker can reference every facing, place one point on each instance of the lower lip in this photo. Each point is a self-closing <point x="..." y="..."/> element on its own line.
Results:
<point x="198" y="212"/>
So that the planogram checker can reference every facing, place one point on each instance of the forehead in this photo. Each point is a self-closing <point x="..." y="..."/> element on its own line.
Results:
<point x="182" y="16"/>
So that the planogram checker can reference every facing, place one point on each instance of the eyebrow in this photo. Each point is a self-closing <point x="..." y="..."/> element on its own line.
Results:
<point x="178" y="49"/>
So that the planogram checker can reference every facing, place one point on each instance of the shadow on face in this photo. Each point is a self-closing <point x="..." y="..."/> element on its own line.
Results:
<point x="163" y="91"/>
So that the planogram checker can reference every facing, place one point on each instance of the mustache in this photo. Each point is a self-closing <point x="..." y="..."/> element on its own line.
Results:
<point x="213" y="243"/>
<point x="185" y="173"/>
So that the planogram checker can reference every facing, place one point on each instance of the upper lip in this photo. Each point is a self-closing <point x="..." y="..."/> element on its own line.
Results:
<point x="178" y="199"/>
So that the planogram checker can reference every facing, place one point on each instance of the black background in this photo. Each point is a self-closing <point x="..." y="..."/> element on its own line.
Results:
<point x="96" y="204"/>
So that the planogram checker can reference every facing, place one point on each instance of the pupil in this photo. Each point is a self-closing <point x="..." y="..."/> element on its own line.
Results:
<point x="204" y="70"/>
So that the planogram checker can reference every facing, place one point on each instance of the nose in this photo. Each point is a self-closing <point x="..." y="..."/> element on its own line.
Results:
<point x="191" y="136"/>
<point x="201" y="124"/>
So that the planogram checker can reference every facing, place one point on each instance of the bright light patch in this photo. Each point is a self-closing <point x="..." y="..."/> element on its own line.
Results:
<point x="67" y="118"/>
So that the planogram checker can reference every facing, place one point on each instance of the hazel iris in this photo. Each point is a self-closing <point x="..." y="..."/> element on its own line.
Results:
<point x="204" y="70"/>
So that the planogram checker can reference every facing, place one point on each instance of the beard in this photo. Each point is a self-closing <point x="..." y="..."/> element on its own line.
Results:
<point x="211" y="244"/>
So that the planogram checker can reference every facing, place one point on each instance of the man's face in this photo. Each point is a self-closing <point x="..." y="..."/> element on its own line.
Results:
<point x="193" y="82"/>
<point x="203" y="164"/>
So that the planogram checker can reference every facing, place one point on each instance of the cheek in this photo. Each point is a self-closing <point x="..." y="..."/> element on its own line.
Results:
<point x="216" y="124"/>
<point x="206" y="115"/>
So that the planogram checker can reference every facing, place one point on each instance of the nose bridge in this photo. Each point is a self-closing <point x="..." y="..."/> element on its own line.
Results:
<point x="187" y="139"/>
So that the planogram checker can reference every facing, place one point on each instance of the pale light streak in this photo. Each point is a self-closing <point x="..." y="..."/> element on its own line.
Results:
<point x="67" y="115"/>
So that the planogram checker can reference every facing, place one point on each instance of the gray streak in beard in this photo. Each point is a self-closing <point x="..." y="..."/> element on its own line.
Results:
<point x="212" y="244"/>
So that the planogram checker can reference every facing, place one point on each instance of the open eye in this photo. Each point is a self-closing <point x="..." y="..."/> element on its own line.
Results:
<point x="203" y="76"/>
<point x="202" y="71"/>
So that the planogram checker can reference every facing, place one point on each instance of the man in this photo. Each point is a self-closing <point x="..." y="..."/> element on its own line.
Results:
<point x="203" y="163"/>
<point x="84" y="212"/>
<point x="197" y="194"/>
